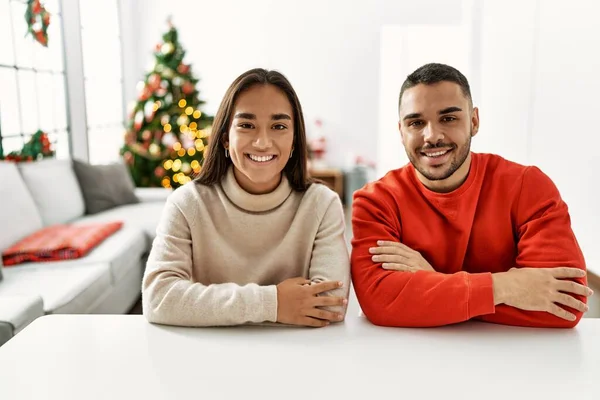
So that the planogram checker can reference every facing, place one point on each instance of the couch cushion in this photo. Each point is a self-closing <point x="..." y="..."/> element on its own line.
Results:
<point x="104" y="186"/>
<point x="121" y="251"/>
<point x="71" y="289"/>
<point x="143" y="216"/>
<point x="54" y="188"/>
<point x="19" y="215"/>
<point x="20" y="311"/>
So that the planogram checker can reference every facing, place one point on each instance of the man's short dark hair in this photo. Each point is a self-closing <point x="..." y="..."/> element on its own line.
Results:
<point x="432" y="73"/>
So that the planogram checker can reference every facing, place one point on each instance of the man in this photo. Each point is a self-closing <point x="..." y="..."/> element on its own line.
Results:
<point x="455" y="235"/>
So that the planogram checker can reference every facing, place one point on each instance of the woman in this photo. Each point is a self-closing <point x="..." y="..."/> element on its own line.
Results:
<point x="253" y="239"/>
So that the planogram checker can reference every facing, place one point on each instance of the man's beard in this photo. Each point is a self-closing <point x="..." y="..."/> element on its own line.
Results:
<point x="459" y="159"/>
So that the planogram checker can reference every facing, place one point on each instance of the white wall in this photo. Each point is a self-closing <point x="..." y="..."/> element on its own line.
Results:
<point x="506" y="70"/>
<point x="329" y="49"/>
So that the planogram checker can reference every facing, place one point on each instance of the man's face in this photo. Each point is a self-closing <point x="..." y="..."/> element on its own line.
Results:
<point x="436" y="124"/>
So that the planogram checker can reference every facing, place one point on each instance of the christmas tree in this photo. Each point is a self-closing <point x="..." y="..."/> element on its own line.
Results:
<point x="167" y="132"/>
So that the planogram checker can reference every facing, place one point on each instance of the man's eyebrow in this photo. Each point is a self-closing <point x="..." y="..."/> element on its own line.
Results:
<point x="449" y="110"/>
<point x="243" y="115"/>
<point x="411" y="116"/>
<point x="276" y="117"/>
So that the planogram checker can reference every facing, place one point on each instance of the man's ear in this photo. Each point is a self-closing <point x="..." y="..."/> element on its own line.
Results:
<point x="475" y="121"/>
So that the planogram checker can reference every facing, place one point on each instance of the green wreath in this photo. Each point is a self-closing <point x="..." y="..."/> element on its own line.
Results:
<point x="38" y="20"/>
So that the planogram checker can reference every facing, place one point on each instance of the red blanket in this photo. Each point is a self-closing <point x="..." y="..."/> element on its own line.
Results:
<point x="59" y="242"/>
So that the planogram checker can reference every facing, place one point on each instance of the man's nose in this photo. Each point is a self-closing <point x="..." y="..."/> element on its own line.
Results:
<point x="432" y="134"/>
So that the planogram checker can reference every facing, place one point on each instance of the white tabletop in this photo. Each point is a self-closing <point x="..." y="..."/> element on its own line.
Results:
<point x="124" y="357"/>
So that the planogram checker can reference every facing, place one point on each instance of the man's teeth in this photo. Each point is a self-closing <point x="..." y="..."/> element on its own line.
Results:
<point x="437" y="153"/>
<point x="260" y="158"/>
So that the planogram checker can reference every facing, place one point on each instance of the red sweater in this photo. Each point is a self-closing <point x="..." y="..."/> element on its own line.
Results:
<point x="504" y="215"/>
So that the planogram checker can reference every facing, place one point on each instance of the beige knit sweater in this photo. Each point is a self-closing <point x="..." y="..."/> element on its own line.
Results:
<point x="219" y="252"/>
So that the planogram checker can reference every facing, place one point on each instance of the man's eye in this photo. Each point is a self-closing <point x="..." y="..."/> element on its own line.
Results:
<point x="448" y="119"/>
<point x="415" y="123"/>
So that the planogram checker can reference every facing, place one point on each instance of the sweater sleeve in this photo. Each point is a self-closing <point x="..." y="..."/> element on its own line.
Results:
<point x="330" y="260"/>
<point x="170" y="296"/>
<point x="406" y="299"/>
<point x="545" y="240"/>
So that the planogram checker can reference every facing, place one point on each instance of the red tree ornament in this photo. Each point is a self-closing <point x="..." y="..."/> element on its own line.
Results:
<point x="187" y="88"/>
<point x="183" y="68"/>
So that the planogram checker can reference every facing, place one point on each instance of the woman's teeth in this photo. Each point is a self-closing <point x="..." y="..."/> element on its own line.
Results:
<point x="261" y="158"/>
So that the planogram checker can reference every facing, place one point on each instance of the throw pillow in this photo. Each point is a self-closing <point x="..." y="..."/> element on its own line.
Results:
<point x="59" y="242"/>
<point x="104" y="186"/>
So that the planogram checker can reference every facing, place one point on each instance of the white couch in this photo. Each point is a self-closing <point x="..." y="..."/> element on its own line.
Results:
<point x="107" y="280"/>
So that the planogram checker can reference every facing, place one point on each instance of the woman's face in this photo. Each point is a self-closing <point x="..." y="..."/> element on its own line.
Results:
<point x="261" y="137"/>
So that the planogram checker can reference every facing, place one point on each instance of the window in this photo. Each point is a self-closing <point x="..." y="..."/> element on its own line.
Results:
<point x="32" y="80"/>
<point x="102" y="69"/>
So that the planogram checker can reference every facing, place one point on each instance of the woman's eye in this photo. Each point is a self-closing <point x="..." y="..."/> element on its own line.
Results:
<point x="279" y="127"/>
<point x="245" y="125"/>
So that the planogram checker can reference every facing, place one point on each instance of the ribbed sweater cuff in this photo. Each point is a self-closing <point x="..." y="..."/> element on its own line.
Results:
<point x="269" y="303"/>
<point x="481" y="295"/>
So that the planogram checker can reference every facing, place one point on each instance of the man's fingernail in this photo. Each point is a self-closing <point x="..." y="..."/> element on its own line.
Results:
<point x="372" y="250"/>
<point x="345" y="301"/>
<point x="340" y="284"/>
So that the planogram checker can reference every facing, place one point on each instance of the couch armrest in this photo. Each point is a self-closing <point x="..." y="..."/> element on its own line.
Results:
<point x="20" y="311"/>
<point x="147" y="195"/>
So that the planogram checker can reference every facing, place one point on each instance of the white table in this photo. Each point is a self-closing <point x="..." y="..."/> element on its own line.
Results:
<point x="124" y="357"/>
